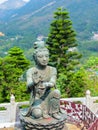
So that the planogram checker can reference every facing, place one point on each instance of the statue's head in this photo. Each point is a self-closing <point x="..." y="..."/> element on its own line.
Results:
<point x="41" y="55"/>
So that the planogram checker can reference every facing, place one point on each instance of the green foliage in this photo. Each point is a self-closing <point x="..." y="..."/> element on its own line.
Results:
<point x="1" y="79"/>
<point x="23" y="33"/>
<point x="17" y="58"/>
<point x="88" y="48"/>
<point x="11" y="68"/>
<point x="61" y="85"/>
<point x="92" y="64"/>
<point x="79" y="83"/>
<point x="2" y="108"/>
<point x="62" y="46"/>
<point x="81" y="80"/>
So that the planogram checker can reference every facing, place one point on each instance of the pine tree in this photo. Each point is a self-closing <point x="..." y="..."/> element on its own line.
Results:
<point x="12" y="67"/>
<point x="18" y="58"/>
<point x="1" y="80"/>
<point x="62" y="46"/>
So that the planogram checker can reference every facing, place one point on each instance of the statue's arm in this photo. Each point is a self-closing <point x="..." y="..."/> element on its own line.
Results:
<point x="33" y="78"/>
<point x="53" y="76"/>
<point x="30" y="82"/>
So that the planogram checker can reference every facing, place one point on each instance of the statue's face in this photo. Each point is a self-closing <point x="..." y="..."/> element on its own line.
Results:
<point x="42" y="58"/>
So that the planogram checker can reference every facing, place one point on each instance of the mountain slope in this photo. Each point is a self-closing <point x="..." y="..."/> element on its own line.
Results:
<point x="81" y="12"/>
<point x="34" y="18"/>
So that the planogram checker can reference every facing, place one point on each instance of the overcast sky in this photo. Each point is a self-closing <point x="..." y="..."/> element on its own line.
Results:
<point x="1" y="1"/>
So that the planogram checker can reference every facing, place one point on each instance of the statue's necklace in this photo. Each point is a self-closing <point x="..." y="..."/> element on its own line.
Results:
<point x="44" y="73"/>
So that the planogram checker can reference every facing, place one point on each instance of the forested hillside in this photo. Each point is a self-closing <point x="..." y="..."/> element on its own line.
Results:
<point x="22" y="26"/>
<point x="68" y="38"/>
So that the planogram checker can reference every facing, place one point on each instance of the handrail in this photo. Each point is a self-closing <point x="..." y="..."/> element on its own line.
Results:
<point x="94" y="126"/>
<point x="80" y="114"/>
<point x="88" y="117"/>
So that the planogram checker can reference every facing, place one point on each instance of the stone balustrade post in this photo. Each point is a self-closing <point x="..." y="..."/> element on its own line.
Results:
<point x="12" y="109"/>
<point x="88" y="99"/>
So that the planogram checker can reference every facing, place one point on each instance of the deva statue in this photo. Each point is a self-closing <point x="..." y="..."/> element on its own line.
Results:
<point x="41" y="83"/>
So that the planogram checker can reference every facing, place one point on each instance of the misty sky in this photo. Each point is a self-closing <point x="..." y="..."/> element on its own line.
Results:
<point x="1" y="1"/>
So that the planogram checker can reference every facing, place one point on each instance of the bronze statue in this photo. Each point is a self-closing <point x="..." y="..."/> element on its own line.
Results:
<point x="44" y="102"/>
<point x="44" y="111"/>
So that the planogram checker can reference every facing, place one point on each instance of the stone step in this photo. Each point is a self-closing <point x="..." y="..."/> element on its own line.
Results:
<point x="72" y="127"/>
<point x="69" y="126"/>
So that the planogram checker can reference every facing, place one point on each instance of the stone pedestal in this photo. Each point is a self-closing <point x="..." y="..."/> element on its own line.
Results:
<point x="43" y="124"/>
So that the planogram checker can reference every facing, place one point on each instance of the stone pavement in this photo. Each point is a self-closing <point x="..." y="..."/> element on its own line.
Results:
<point x="70" y="127"/>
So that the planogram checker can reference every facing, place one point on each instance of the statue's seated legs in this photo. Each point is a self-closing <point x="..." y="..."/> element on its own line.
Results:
<point x="54" y="104"/>
<point x="37" y="113"/>
<point x="50" y="107"/>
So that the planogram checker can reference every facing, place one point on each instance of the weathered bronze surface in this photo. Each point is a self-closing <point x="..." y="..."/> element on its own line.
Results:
<point x="44" y="111"/>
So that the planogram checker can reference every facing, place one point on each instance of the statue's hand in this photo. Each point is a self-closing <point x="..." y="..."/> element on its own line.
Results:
<point x="36" y="77"/>
<point x="36" y="80"/>
<point x="48" y="84"/>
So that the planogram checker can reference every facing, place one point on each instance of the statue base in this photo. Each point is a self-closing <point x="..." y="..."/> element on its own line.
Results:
<point x="43" y="124"/>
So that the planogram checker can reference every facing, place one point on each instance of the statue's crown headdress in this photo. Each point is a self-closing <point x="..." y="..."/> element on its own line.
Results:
<point x="39" y="44"/>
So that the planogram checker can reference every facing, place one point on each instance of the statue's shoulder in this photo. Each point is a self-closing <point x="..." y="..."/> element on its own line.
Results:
<point x="31" y="70"/>
<point x="52" y="69"/>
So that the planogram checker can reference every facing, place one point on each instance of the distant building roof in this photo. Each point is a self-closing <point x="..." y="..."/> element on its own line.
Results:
<point x="95" y="36"/>
<point x="2" y="34"/>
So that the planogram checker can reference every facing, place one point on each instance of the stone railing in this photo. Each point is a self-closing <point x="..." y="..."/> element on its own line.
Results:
<point x="9" y="112"/>
<point x="88" y="100"/>
<point x="78" y="114"/>
<point x="9" y="116"/>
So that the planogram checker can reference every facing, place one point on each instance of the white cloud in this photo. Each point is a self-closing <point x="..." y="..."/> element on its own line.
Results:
<point x="2" y="1"/>
<point x="26" y="0"/>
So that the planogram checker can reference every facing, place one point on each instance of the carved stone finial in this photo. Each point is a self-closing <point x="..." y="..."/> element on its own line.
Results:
<point x="12" y="99"/>
<point x="88" y="92"/>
